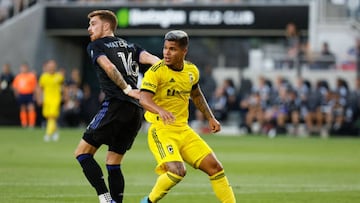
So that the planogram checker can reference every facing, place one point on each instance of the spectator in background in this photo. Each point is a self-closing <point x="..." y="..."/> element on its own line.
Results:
<point x="72" y="98"/>
<point x="293" y="42"/>
<point x="338" y="110"/>
<point x="264" y="87"/>
<point x="293" y="109"/>
<point x="276" y="115"/>
<point x="331" y="114"/>
<point x="303" y="92"/>
<point x="327" y="59"/>
<point x="70" y="109"/>
<point x="6" y="77"/>
<point x="230" y="92"/>
<point x="89" y="104"/>
<point x="342" y="88"/>
<point x="208" y="82"/>
<point x="24" y="85"/>
<point x="50" y="83"/>
<point x="218" y="104"/>
<point x="224" y="99"/>
<point x="317" y="100"/>
<point x="255" y="112"/>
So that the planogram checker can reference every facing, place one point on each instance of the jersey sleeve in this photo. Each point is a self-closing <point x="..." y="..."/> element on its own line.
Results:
<point x="151" y="79"/>
<point x="136" y="49"/>
<point x="196" y="77"/>
<point x="94" y="51"/>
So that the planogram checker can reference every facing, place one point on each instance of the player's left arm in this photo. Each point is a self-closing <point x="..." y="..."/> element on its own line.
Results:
<point x="115" y="75"/>
<point x="147" y="58"/>
<point x="200" y="102"/>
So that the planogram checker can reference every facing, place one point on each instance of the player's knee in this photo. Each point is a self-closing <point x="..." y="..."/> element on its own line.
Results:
<point x="177" y="168"/>
<point x="77" y="153"/>
<point x="211" y="165"/>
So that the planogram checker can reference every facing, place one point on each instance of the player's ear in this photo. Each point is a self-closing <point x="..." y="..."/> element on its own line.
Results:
<point x="106" y="26"/>
<point x="185" y="50"/>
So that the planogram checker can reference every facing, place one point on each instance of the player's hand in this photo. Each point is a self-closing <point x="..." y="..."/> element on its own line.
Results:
<point x="135" y="93"/>
<point x="214" y="125"/>
<point x="167" y="117"/>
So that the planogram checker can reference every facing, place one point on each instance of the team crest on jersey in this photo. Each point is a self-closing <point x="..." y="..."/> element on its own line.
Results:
<point x="170" y="149"/>
<point x="191" y="77"/>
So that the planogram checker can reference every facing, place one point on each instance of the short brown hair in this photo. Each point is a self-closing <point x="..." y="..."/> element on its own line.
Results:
<point x="105" y="15"/>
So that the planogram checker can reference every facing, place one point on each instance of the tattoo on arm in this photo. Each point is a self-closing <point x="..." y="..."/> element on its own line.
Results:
<point x="200" y="103"/>
<point x="118" y="79"/>
<point x="112" y="72"/>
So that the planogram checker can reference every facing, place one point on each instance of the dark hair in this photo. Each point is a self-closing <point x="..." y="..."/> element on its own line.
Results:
<point x="179" y="36"/>
<point x="107" y="16"/>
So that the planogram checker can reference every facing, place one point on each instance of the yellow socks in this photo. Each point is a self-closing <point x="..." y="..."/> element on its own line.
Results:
<point x="51" y="126"/>
<point x="219" y="182"/>
<point x="163" y="184"/>
<point x="222" y="188"/>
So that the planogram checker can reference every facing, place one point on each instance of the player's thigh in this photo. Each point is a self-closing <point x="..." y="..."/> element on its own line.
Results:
<point x="164" y="145"/>
<point x="194" y="149"/>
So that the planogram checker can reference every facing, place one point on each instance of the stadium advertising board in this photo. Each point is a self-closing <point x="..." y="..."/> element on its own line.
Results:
<point x="237" y="19"/>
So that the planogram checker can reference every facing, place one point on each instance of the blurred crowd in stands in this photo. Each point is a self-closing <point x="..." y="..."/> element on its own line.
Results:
<point x="279" y="106"/>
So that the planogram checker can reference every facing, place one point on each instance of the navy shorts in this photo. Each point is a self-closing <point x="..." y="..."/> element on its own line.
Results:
<point x="116" y="124"/>
<point x="25" y="99"/>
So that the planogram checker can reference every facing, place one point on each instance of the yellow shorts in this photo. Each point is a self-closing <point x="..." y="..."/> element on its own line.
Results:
<point x="181" y="144"/>
<point x="51" y="109"/>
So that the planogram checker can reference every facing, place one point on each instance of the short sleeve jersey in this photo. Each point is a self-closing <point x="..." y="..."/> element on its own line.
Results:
<point x="25" y="83"/>
<point x="52" y="86"/>
<point x="126" y="59"/>
<point x="171" y="90"/>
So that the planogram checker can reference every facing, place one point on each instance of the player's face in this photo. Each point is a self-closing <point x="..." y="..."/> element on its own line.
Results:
<point x="95" y="28"/>
<point x="174" y="54"/>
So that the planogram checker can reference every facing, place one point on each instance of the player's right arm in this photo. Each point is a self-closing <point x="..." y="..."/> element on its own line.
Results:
<point x="146" y="100"/>
<point x="115" y="75"/>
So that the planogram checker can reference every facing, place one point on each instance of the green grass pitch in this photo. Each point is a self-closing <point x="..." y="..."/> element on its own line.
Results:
<point x="261" y="170"/>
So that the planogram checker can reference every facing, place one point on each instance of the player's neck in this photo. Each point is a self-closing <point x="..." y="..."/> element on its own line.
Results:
<point x="177" y="67"/>
<point x="108" y="34"/>
<point x="174" y="68"/>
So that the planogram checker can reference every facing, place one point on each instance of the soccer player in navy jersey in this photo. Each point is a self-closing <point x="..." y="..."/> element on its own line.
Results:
<point x="120" y="116"/>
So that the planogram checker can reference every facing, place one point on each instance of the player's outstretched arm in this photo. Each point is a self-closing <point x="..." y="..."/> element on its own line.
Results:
<point x="147" y="58"/>
<point x="201" y="104"/>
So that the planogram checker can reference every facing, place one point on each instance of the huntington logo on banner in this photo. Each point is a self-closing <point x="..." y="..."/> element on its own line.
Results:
<point x="129" y="17"/>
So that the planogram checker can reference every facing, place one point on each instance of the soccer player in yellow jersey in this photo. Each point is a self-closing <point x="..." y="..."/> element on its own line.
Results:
<point x="165" y="92"/>
<point x="50" y="83"/>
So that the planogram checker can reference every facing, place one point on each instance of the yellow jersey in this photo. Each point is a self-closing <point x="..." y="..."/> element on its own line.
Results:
<point x="171" y="90"/>
<point x="51" y="85"/>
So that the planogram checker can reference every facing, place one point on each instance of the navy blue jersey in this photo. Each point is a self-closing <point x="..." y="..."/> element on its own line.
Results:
<point x="126" y="59"/>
